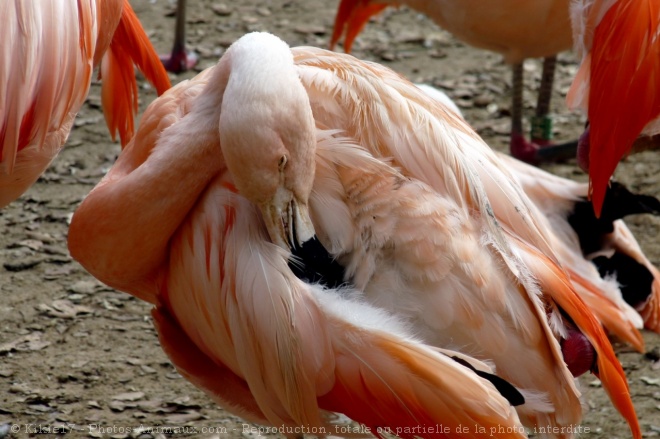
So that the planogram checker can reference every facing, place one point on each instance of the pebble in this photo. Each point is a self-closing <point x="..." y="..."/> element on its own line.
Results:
<point x="221" y="9"/>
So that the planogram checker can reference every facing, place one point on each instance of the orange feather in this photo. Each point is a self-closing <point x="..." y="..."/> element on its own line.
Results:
<point x="395" y="398"/>
<point x="353" y="15"/>
<point x="607" y="311"/>
<point x="555" y="283"/>
<point x="129" y="45"/>
<point x="624" y="94"/>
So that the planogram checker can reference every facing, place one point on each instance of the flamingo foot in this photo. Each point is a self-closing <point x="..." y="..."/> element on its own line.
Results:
<point x="522" y="149"/>
<point x="180" y="60"/>
<point x="540" y="150"/>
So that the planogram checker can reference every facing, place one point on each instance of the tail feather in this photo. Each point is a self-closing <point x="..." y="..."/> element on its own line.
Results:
<point x="607" y="312"/>
<point x="352" y="16"/>
<point x="413" y="391"/>
<point x="130" y="45"/>
<point x="555" y="283"/>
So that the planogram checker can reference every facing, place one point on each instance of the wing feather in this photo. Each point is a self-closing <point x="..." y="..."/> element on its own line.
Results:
<point x="302" y="349"/>
<point x="555" y="282"/>
<point x="396" y="121"/>
<point x="618" y="81"/>
<point x="40" y="61"/>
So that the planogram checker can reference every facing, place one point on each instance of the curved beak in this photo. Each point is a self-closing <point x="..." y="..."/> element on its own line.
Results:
<point x="288" y="222"/>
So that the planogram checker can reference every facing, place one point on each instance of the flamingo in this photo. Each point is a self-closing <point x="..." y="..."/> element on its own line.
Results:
<point x="616" y="83"/>
<point x="49" y="51"/>
<point x="180" y="59"/>
<point x="517" y="29"/>
<point x="311" y="334"/>
<point x="284" y="147"/>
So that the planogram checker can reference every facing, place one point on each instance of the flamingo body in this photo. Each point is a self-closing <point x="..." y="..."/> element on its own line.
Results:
<point x="49" y="52"/>
<point x="416" y="208"/>
<point x="508" y="27"/>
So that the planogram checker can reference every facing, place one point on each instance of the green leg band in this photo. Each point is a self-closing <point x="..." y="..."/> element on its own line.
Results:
<point x="541" y="128"/>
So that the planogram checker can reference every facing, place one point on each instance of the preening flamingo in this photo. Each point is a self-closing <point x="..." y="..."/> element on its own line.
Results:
<point x="322" y="350"/>
<point x="517" y="29"/>
<point x="180" y="59"/>
<point x="280" y="151"/>
<point x="48" y="55"/>
<point x="617" y="82"/>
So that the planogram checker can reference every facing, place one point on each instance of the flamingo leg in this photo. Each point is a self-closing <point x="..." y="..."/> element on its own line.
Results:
<point x="539" y="149"/>
<point x="518" y="81"/>
<point x="545" y="91"/>
<point x="542" y="122"/>
<point x="181" y="59"/>
<point x="520" y="148"/>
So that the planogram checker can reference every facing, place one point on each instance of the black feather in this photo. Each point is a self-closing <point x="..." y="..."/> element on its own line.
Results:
<point x="634" y="279"/>
<point x="312" y="263"/>
<point x="619" y="203"/>
<point x="505" y="388"/>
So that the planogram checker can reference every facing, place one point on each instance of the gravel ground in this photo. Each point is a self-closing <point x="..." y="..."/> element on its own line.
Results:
<point x="82" y="360"/>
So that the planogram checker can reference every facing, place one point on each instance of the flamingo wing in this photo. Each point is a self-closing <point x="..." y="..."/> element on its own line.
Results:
<point x="556" y="199"/>
<point x="393" y="119"/>
<point x="232" y="292"/>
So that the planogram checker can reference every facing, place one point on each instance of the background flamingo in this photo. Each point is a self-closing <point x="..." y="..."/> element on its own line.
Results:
<point x="617" y="82"/>
<point x="517" y="29"/>
<point x="56" y="46"/>
<point x="197" y="251"/>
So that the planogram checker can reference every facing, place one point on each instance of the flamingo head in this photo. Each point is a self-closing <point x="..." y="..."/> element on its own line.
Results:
<point x="268" y="137"/>
<point x="274" y="168"/>
<point x="352" y="16"/>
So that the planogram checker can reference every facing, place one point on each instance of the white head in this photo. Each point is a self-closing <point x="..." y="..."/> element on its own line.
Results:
<point x="267" y="135"/>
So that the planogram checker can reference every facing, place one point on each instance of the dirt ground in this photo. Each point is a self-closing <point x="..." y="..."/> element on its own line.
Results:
<point x="80" y="359"/>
